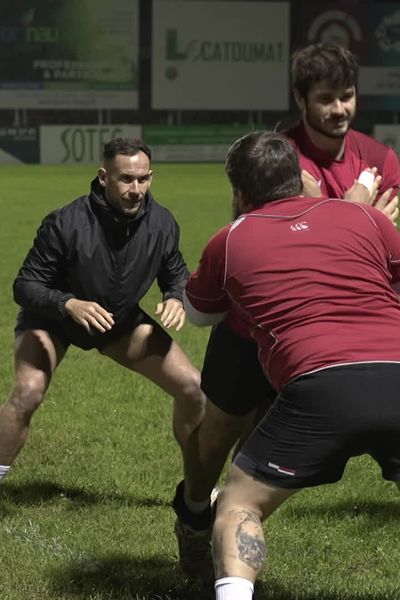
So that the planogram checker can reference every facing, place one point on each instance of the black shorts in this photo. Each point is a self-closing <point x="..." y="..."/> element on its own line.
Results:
<point x="232" y="377"/>
<point x="68" y="332"/>
<point x="322" y="419"/>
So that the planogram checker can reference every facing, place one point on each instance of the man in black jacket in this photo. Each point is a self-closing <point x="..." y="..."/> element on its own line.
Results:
<point x="91" y="263"/>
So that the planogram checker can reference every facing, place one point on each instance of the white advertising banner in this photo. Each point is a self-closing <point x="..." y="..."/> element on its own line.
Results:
<point x="80" y="143"/>
<point x="220" y="55"/>
<point x="388" y="135"/>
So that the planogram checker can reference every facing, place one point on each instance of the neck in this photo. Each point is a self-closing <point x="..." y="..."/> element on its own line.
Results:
<point x="334" y="147"/>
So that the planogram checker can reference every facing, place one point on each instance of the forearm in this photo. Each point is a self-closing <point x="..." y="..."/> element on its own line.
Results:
<point x="199" y="318"/>
<point x="174" y="291"/>
<point x="37" y="298"/>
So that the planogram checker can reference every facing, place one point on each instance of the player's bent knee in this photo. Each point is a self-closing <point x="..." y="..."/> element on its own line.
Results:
<point x="190" y="387"/>
<point x="27" y="395"/>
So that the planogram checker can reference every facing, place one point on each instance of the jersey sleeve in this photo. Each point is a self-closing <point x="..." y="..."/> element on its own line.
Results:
<point x="205" y="289"/>
<point x="392" y="240"/>
<point x="390" y="174"/>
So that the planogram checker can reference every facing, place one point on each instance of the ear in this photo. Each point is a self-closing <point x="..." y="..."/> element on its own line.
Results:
<point x="301" y="104"/>
<point x="101" y="174"/>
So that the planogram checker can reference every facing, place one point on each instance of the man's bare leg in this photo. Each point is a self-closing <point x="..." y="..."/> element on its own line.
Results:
<point x="37" y="355"/>
<point x="239" y="548"/>
<point x="209" y="447"/>
<point x="151" y="352"/>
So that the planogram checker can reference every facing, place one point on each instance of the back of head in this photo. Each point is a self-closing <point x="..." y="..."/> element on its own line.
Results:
<point x="323" y="62"/>
<point x="126" y="146"/>
<point x="263" y="166"/>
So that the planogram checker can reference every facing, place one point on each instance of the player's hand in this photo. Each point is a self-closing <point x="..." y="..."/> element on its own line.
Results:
<point x="389" y="208"/>
<point x="89" y="315"/>
<point x="360" y="192"/>
<point x="311" y="187"/>
<point x="172" y="313"/>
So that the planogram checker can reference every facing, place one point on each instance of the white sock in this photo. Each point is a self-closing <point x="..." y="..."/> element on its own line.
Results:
<point x="233" y="588"/>
<point x="3" y="471"/>
<point x="196" y="506"/>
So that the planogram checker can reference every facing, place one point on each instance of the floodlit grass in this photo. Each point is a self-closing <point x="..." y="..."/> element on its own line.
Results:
<point x="85" y="512"/>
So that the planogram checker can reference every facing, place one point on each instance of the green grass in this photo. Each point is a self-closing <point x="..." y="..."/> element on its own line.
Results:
<point x="85" y="512"/>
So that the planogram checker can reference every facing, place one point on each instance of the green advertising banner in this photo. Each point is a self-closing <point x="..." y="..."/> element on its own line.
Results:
<point x="196" y="143"/>
<point x="69" y="54"/>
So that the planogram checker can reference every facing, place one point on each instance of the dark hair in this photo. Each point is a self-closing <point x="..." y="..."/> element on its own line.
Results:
<point x="124" y="146"/>
<point x="323" y="62"/>
<point x="263" y="165"/>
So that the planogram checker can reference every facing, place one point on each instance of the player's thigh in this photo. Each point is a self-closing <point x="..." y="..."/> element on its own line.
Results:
<point x="37" y="355"/>
<point x="222" y="428"/>
<point x="244" y="490"/>
<point x="150" y="351"/>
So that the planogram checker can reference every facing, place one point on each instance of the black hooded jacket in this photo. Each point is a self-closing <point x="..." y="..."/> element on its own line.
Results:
<point x="90" y="251"/>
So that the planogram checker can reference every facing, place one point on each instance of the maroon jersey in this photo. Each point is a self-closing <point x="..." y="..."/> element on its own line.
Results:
<point x="336" y="176"/>
<point x="314" y="279"/>
<point x="360" y="152"/>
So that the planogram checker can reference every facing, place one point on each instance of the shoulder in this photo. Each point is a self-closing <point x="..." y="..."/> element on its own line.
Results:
<point x="158" y="212"/>
<point x="217" y="241"/>
<point x="73" y="212"/>
<point x="368" y="147"/>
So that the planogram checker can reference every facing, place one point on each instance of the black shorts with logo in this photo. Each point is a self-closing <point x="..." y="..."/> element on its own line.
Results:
<point x="232" y="377"/>
<point x="68" y="332"/>
<point x="322" y="419"/>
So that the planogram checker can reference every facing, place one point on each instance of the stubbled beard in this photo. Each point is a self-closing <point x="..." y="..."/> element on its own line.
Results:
<point x="329" y="134"/>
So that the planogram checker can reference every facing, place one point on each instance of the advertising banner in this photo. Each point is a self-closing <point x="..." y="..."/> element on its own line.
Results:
<point x="372" y="34"/>
<point x="19" y="145"/>
<point x="80" y="143"/>
<point x="220" y="55"/>
<point x="388" y="135"/>
<point x="201" y="143"/>
<point x="69" y="54"/>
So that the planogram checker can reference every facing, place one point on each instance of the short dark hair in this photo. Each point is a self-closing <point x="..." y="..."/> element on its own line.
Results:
<point x="264" y="166"/>
<point x="129" y="147"/>
<point x="323" y="62"/>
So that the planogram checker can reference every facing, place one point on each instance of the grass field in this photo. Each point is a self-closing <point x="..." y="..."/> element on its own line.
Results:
<point x="85" y="512"/>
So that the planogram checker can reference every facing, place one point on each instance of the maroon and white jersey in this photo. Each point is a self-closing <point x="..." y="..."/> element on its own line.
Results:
<point x="313" y="277"/>
<point x="336" y="176"/>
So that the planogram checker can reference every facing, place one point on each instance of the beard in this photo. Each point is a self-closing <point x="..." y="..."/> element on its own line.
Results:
<point x="329" y="130"/>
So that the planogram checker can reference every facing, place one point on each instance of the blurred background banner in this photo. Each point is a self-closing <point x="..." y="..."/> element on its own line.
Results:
<point x="69" y="54"/>
<point x="373" y="35"/>
<point x="389" y="135"/>
<point x="220" y="55"/>
<point x="19" y="145"/>
<point x="191" y="143"/>
<point x="80" y="143"/>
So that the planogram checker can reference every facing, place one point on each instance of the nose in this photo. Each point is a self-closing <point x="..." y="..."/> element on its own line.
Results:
<point x="134" y="187"/>
<point x="338" y="107"/>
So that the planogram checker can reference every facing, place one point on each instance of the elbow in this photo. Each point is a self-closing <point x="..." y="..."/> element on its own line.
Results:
<point x="198" y="318"/>
<point x="17" y="294"/>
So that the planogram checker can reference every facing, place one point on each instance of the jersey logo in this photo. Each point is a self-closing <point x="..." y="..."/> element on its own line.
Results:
<point x="283" y="470"/>
<point x="301" y="226"/>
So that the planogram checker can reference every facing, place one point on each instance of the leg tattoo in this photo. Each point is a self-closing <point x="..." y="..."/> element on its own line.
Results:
<point x="250" y="541"/>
